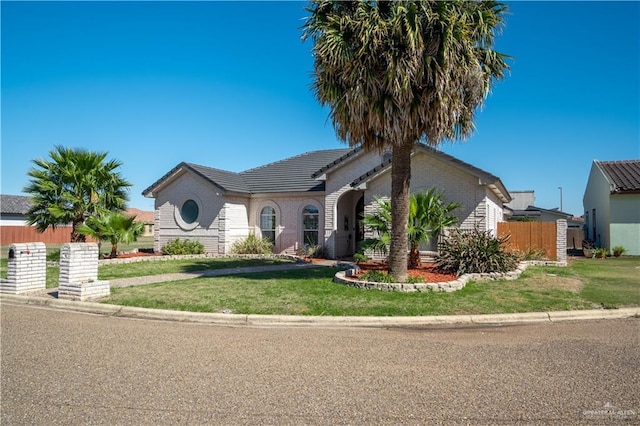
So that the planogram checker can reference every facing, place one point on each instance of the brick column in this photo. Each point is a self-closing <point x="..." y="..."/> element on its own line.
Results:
<point x="561" y="240"/>
<point x="79" y="272"/>
<point x="26" y="268"/>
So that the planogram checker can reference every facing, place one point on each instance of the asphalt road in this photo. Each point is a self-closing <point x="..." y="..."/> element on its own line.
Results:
<point x="67" y="368"/>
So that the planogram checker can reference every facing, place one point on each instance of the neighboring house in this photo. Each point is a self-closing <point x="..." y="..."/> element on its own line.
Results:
<point x="316" y="198"/>
<point x="14" y="209"/>
<point x="522" y="207"/>
<point x="612" y="205"/>
<point x="146" y="217"/>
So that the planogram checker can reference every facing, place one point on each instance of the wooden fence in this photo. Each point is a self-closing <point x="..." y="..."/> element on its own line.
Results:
<point x="29" y="234"/>
<point x="531" y="235"/>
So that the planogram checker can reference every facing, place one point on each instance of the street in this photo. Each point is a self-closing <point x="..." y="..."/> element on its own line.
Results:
<point x="62" y="367"/>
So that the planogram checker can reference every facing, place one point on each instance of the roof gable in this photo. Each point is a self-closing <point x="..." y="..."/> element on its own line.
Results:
<point x="484" y="177"/>
<point x="624" y="176"/>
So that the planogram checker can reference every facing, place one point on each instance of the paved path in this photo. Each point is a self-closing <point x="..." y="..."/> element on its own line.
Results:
<point x="150" y="279"/>
<point x="61" y="367"/>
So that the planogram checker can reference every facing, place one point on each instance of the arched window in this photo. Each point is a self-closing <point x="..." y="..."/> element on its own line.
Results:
<point x="310" y="226"/>
<point x="268" y="223"/>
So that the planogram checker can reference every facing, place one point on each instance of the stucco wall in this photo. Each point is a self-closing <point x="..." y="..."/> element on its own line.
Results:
<point x="596" y="196"/>
<point x="288" y="218"/>
<point x="625" y="223"/>
<point x="205" y="229"/>
<point x="457" y="186"/>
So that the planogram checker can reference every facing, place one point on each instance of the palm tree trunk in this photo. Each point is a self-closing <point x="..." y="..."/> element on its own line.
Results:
<point x="414" y="257"/>
<point x="114" y="251"/>
<point x="400" y="180"/>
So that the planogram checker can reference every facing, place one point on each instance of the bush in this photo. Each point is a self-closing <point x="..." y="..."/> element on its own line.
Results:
<point x="179" y="246"/>
<point x="534" y="253"/>
<point x="252" y="245"/>
<point x="314" y="251"/>
<point x="383" y="277"/>
<point x="618" y="250"/>
<point x="465" y="252"/>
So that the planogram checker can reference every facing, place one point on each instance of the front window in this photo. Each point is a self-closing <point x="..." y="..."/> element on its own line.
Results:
<point x="310" y="226"/>
<point x="268" y="223"/>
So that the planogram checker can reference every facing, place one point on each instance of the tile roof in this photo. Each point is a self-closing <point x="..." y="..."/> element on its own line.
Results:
<point x="293" y="174"/>
<point x="623" y="175"/>
<point x="14" y="204"/>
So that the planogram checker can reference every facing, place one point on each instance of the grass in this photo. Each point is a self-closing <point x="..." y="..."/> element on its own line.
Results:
<point x="312" y="292"/>
<point x="584" y="284"/>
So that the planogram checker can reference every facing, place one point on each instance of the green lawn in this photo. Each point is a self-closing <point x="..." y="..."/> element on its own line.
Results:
<point x="312" y="292"/>
<point x="584" y="284"/>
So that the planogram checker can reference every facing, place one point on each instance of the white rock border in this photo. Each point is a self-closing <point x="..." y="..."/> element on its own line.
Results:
<point x="346" y="278"/>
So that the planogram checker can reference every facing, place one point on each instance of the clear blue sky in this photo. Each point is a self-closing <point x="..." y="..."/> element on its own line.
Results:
<point x="227" y="85"/>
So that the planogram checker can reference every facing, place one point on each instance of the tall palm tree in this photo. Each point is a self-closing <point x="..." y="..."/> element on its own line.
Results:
<point x="74" y="185"/>
<point x="396" y="73"/>
<point x="113" y="227"/>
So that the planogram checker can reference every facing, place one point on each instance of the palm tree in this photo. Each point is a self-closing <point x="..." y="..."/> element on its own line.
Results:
<point x="428" y="216"/>
<point x="397" y="73"/>
<point x="113" y="227"/>
<point x="379" y="224"/>
<point x="74" y="185"/>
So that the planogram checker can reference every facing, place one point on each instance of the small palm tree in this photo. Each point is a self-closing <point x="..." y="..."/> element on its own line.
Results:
<point x="428" y="216"/>
<point x="378" y="223"/>
<point x="115" y="227"/>
<point x="73" y="186"/>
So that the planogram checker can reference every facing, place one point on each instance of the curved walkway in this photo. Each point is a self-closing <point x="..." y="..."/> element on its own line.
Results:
<point x="48" y="298"/>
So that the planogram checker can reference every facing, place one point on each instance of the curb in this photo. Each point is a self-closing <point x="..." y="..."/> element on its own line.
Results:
<point x="318" y="321"/>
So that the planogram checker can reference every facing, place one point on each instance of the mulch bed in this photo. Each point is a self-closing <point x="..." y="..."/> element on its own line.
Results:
<point x="128" y="255"/>
<point x="427" y="271"/>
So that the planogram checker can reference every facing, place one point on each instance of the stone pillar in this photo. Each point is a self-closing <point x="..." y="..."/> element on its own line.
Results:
<point x="79" y="273"/>
<point x="561" y="240"/>
<point x="26" y="268"/>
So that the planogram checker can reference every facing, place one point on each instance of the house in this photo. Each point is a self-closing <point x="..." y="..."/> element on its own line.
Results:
<point x="146" y="217"/>
<point x="316" y="198"/>
<point x="522" y="207"/>
<point x="14" y="209"/>
<point x="611" y="204"/>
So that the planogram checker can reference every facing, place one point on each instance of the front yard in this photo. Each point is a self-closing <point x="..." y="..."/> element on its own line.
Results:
<point x="584" y="284"/>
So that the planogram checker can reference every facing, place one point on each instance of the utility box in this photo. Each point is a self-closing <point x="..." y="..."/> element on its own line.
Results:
<point x="26" y="268"/>
<point x="79" y="273"/>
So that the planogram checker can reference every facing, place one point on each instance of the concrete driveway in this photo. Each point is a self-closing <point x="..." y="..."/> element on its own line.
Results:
<point x="61" y="367"/>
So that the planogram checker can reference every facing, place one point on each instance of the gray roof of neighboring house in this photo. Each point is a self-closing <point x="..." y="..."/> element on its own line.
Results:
<point x="15" y="204"/>
<point x="623" y="175"/>
<point x="294" y="174"/>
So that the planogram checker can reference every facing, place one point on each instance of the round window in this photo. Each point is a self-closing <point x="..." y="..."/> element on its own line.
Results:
<point x="189" y="211"/>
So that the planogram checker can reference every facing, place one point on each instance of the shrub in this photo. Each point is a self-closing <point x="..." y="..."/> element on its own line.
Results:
<point x="602" y="252"/>
<point x="360" y="257"/>
<point x="252" y="245"/>
<point x="533" y="253"/>
<point x="476" y="251"/>
<point x="377" y="277"/>
<point x="383" y="277"/>
<point x="618" y="250"/>
<point x="179" y="246"/>
<point x="314" y="251"/>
